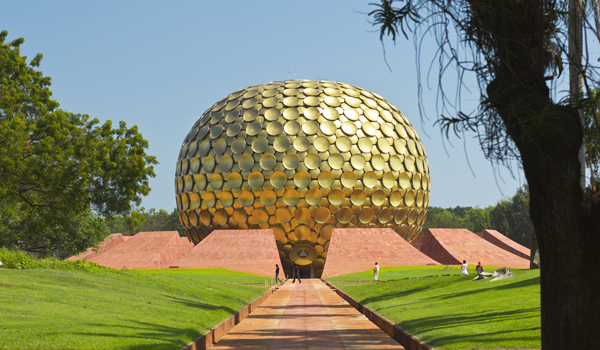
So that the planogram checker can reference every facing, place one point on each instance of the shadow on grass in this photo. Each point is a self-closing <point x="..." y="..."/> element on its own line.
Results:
<point x="198" y="305"/>
<point x="474" y="321"/>
<point x="150" y="336"/>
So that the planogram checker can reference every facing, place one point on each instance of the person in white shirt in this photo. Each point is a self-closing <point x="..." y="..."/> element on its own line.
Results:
<point x="464" y="268"/>
<point x="376" y="273"/>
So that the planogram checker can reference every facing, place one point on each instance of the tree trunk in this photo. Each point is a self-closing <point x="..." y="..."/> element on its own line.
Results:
<point x="549" y="137"/>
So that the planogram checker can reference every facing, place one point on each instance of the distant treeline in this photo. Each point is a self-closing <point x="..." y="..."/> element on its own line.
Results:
<point x="151" y="220"/>
<point x="510" y="216"/>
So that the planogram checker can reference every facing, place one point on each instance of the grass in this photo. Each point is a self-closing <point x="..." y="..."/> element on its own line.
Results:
<point x="47" y="308"/>
<point x="454" y="312"/>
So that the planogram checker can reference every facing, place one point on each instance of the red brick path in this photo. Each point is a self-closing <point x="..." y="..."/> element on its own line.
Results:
<point x="306" y="315"/>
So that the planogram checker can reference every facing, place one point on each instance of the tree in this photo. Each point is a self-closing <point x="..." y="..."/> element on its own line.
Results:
<point x="151" y="220"/>
<point x="511" y="217"/>
<point x="511" y="45"/>
<point x="55" y="165"/>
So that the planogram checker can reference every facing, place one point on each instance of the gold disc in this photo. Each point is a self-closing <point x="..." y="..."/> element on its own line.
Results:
<point x="326" y="179"/>
<point x="365" y="215"/>
<point x="291" y="161"/>
<point x="291" y="113"/>
<point x="292" y="127"/>
<point x="322" y="215"/>
<point x="239" y="216"/>
<point x="302" y="179"/>
<point x="278" y="179"/>
<point x="301" y="144"/>
<point x="384" y="215"/>
<point x="378" y="197"/>
<point x="238" y="146"/>
<point x="226" y="199"/>
<point x="358" y="161"/>
<point x="336" y="161"/>
<point x="378" y="162"/>
<point x="328" y="128"/>
<point x="291" y="197"/>
<point x="404" y="180"/>
<point x="313" y="197"/>
<point x="312" y="161"/>
<point x="268" y="198"/>
<point x="321" y="143"/>
<point x="260" y="216"/>
<point x="274" y="128"/>
<point x="234" y="180"/>
<point x="208" y="199"/>
<point x="253" y="128"/>
<point x="272" y="114"/>
<point x="369" y="129"/>
<point x="344" y="215"/>
<point x="370" y="179"/>
<point x="282" y="215"/>
<point x="209" y="164"/>
<point x="281" y="144"/>
<point x="256" y="179"/>
<point x="270" y="102"/>
<point x="349" y="128"/>
<point x="302" y="215"/>
<point x="330" y="114"/>
<point x="343" y="143"/>
<point x="200" y="182"/>
<point x="220" y="217"/>
<point x="310" y="127"/>
<point x="351" y="113"/>
<point x="311" y="113"/>
<point x="268" y="161"/>
<point x="365" y="145"/>
<point x="250" y="115"/>
<point x="388" y="180"/>
<point x="246" y="162"/>
<point x="395" y="198"/>
<point x="246" y="198"/>
<point x="260" y="144"/>
<point x="336" y="196"/>
<point x="302" y="232"/>
<point x="348" y="179"/>
<point x="216" y="181"/>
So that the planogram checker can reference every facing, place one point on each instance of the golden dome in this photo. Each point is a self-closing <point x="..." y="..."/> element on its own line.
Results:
<point x="302" y="157"/>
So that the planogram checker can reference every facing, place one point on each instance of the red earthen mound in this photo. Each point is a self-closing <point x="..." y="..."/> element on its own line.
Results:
<point x="452" y="246"/>
<point x="146" y="250"/>
<point x="357" y="249"/>
<point x="251" y="251"/>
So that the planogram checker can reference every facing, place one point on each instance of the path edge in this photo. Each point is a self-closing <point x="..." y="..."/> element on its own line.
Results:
<point x="214" y="334"/>
<point x="409" y="341"/>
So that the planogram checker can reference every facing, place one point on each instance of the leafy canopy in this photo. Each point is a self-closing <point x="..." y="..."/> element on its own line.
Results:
<point x="56" y="165"/>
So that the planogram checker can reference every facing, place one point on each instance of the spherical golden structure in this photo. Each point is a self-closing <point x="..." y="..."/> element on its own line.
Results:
<point x="302" y="157"/>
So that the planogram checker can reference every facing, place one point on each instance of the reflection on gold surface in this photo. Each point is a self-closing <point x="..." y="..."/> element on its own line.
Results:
<point x="302" y="158"/>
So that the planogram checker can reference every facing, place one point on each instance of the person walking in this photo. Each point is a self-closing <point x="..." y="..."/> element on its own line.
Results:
<point x="277" y="279"/>
<point x="376" y="272"/>
<point x="296" y="274"/>
<point x="464" y="268"/>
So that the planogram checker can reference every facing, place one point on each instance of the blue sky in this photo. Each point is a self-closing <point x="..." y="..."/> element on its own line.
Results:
<point x="159" y="65"/>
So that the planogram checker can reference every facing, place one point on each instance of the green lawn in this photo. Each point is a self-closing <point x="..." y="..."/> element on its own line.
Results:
<point x="454" y="312"/>
<point x="146" y="309"/>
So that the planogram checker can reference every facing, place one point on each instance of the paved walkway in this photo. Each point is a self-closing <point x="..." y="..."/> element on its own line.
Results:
<point x="306" y="315"/>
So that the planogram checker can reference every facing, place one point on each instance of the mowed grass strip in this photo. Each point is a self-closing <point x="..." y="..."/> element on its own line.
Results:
<point x="145" y="309"/>
<point x="454" y="312"/>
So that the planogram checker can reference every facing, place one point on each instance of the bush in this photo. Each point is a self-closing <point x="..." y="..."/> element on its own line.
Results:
<point x="16" y="259"/>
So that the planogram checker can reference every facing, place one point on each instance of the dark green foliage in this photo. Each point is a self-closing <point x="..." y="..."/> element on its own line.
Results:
<point x="56" y="166"/>
<point x="151" y="220"/>
<point x="16" y="259"/>
<point x="511" y="217"/>
<point x="473" y="219"/>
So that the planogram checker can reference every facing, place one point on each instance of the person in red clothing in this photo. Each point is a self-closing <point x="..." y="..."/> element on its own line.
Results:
<point x="479" y="268"/>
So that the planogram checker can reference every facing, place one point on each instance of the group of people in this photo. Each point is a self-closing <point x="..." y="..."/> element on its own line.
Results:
<point x="464" y="271"/>
<point x="464" y="266"/>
